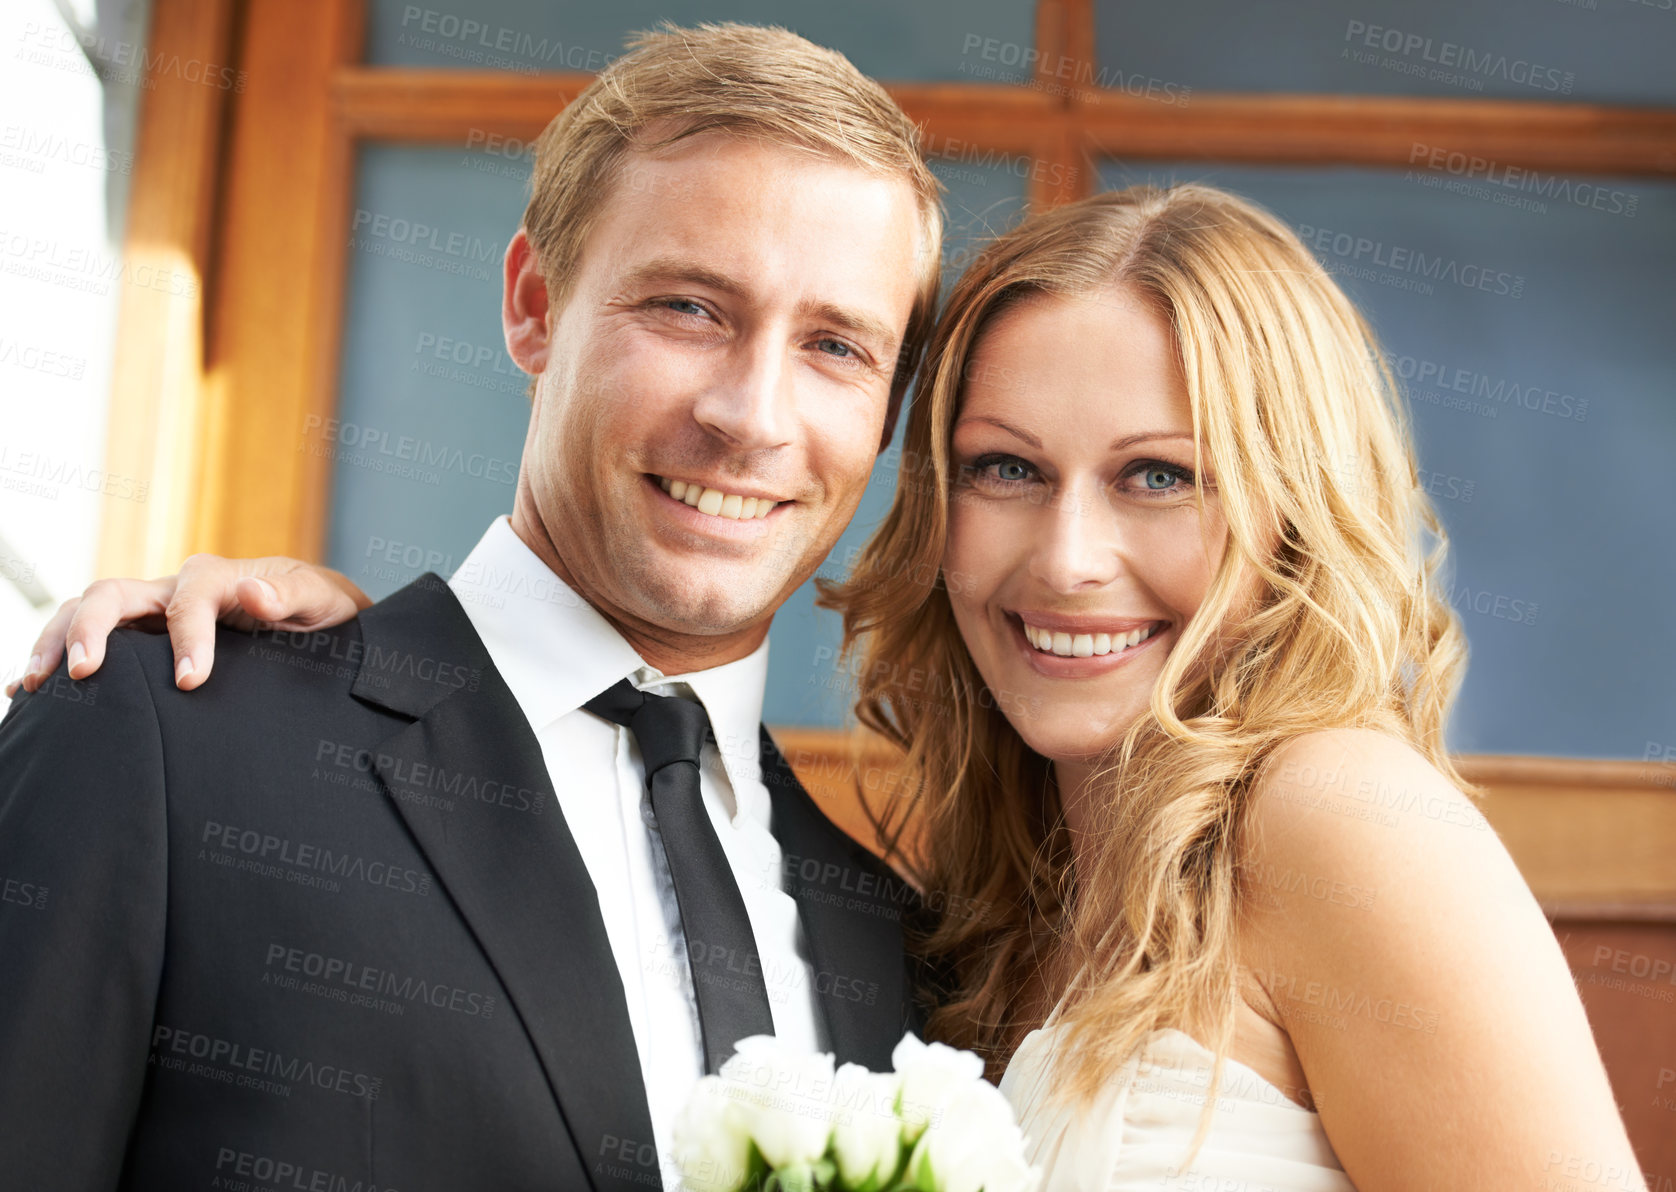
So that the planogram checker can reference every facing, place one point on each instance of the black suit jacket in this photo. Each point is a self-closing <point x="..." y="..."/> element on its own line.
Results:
<point x="323" y="927"/>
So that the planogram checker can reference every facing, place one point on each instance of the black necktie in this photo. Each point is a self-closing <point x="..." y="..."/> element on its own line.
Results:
<point x="726" y="968"/>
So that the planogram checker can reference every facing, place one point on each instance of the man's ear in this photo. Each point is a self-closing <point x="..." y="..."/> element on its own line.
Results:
<point x="523" y="311"/>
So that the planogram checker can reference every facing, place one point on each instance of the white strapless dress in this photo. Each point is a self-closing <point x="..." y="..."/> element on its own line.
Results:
<point x="1137" y="1134"/>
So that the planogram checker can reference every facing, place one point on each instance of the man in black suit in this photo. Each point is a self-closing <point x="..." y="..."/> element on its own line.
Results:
<point x="466" y="893"/>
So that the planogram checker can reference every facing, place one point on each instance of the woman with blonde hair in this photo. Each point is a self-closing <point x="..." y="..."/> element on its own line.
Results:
<point x="1190" y="759"/>
<point x="1238" y="923"/>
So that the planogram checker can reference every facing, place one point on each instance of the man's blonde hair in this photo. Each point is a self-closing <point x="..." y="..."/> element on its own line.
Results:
<point x="746" y="80"/>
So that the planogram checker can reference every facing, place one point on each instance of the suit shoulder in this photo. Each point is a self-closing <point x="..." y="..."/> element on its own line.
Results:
<point x="120" y="696"/>
<point x="315" y="659"/>
<point x="82" y="760"/>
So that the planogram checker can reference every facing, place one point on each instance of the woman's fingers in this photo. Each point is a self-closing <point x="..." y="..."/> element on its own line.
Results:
<point x="299" y="596"/>
<point x="274" y="592"/>
<point x="82" y="624"/>
<point x="204" y="592"/>
<point x="271" y="593"/>
<point x="46" y="651"/>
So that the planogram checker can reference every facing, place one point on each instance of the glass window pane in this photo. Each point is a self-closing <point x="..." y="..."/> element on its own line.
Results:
<point x="431" y="410"/>
<point x="1611" y="51"/>
<point x="926" y="39"/>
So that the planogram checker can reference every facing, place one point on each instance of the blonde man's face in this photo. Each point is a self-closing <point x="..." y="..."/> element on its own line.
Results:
<point x="731" y="331"/>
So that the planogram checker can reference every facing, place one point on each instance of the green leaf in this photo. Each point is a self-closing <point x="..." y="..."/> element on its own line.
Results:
<point x="803" y="1177"/>
<point x="919" y="1164"/>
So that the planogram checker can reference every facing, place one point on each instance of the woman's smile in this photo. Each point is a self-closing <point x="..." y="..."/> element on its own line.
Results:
<point x="1057" y="646"/>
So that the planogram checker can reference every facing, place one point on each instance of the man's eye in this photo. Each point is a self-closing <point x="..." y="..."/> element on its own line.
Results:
<point x="684" y="306"/>
<point x="836" y="348"/>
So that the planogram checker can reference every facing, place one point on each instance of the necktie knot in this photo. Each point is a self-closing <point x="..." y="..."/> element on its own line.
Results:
<point x="668" y="729"/>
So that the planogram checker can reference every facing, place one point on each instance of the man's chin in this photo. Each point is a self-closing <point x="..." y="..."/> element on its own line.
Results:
<point x="707" y="601"/>
<point x="694" y="586"/>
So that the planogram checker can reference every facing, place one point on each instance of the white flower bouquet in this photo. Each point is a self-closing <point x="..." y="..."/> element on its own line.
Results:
<point x="779" y="1120"/>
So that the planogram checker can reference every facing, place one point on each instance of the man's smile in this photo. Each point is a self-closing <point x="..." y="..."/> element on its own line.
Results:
<point x="716" y="502"/>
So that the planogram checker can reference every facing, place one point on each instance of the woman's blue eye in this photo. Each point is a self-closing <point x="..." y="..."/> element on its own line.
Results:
<point x="1005" y="470"/>
<point x="1159" y="479"/>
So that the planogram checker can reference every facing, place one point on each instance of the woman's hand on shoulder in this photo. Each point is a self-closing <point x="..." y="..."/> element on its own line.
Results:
<point x="1420" y="983"/>
<point x="271" y="593"/>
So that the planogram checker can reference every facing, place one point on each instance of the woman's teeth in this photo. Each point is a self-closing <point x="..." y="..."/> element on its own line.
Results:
<point x="715" y="502"/>
<point x="1085" y="645"/>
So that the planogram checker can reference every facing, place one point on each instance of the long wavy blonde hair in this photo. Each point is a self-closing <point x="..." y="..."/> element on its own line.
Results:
<point x="1299" y="417"/>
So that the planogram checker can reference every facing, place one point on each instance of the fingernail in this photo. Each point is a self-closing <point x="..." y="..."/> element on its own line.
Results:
<point x="267" y="589"/>
<point x="77" y="655"/>
<point x="34" y="664"/>
<point x="183" y="668"/>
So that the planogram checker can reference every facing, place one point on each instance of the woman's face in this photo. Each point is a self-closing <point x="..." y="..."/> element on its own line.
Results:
<point x="1077" y="550"/>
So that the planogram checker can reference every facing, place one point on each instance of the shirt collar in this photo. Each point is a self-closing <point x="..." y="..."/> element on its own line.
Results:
<point x="732" y="695"/>
<point x="556" y="653"/>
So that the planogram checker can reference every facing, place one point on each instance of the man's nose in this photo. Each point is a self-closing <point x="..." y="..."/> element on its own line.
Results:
<point x="750" y="404"/>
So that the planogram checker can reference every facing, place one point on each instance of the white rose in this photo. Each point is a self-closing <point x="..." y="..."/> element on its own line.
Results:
<point x="867" y="1136"/>
<point x="975" y="1144"/>
<point x="931" y="1074"/>
<point x="785" y="1095"/>
<point x="711" y="1138"/>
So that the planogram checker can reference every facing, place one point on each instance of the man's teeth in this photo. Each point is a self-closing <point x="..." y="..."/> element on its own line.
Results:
<point x="715" y="502"/>
<point x="1085" y="645"/>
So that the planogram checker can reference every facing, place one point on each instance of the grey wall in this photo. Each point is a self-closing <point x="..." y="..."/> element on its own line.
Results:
<point x="1536" y="333"/>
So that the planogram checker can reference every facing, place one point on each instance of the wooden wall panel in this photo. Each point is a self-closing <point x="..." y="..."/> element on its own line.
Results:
<point x="1588" y="835"/>
<point x="1626" y="973"/>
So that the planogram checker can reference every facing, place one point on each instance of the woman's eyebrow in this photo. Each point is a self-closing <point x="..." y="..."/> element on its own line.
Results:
<point x="1025" y="435"/>
<point x="1122" y="444"/>
<point x="1128" y="441"/>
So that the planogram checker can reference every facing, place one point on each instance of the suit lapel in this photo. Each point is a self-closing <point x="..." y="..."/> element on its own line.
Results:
<point x="851" y="908"/>
<point x="469" y="778"/>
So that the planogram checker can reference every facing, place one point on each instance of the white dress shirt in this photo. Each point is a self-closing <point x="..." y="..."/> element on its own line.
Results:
<point x="556" y="653"/>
